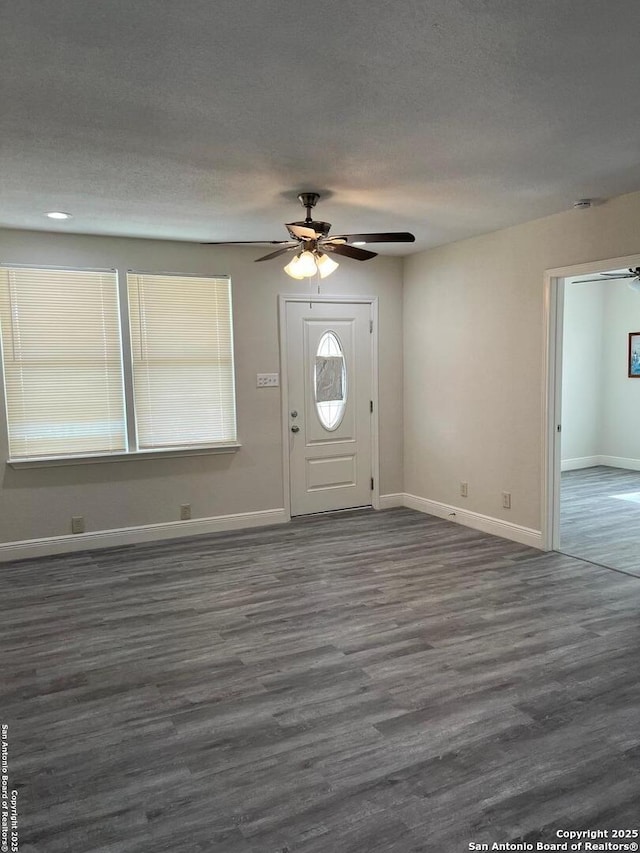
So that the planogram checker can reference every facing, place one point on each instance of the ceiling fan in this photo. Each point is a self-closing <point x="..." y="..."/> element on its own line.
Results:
<point x="633" y="275"/>
<point x="312" y="244"/>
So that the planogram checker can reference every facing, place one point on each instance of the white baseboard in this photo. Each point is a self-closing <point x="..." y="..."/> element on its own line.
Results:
<point x="133" y="535"/>
<point x="485" y="523"/>
<point x="580" y="462"/>
<point x="50" y="545"/>
<point x="620" y="462"/>
<point x="391" y="500"/>
<point x="592" y="461"/>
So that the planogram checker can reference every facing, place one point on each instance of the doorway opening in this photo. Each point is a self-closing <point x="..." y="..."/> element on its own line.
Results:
<point x="593" y="407"/>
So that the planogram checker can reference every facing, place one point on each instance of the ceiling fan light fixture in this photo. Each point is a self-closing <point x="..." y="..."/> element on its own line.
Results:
<point x="292" y="268"/>
<point x="302" y="266"/>
<point x="326" y="265"/>
<point x="306" y="266"/>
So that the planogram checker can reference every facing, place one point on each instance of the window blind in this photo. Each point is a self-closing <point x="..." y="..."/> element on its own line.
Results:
<point x="62" y="362"/>
<point x="182" y="355"/>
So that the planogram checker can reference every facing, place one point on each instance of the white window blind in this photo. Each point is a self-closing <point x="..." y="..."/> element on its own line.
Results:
<point x="182" y="355"/>
<point x="62" y="360"/>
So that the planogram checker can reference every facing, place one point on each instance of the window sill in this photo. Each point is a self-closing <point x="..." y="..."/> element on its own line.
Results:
<point x="90" y="459"/>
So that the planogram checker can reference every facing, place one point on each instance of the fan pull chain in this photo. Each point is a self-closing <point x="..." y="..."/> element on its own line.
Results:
<point x="311" y="287"/>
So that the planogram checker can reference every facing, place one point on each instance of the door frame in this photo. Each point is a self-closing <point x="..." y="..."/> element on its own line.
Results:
<point x="283" y="299"/>
<point x="554" y="282"/>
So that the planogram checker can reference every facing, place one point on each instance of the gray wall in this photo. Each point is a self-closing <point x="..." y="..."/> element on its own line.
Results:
<point x="600" y="403"/>
<point x="582" y="372"/>
<point x="40" y="502"/>
<point x="621" y="395"/>
<point x="474" y="355"/>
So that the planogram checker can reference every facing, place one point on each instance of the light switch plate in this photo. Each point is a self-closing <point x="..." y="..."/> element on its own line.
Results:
<point x="267" y="380"/>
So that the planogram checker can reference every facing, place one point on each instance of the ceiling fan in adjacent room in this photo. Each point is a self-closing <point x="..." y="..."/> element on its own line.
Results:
<point x="311" y="244"/>
<point x="633" y="275"/>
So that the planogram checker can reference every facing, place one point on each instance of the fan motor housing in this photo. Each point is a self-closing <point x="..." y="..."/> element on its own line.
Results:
<point x="322" y="228"/>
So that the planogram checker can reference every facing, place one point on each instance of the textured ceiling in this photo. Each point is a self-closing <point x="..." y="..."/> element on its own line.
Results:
<point x="203" y="119"/>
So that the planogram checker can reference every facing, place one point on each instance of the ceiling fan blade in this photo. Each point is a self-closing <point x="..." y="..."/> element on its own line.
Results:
<point x="277" y="253"/>
<point x="605" y="275"/>
<point x="384" y="237"/>
<point x="300" y="232"/>
<point x="350" y="251"/>
<point x="245" y="243"/>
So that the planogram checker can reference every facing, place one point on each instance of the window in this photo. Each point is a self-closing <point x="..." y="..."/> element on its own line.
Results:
<point x="62" y="362"/>
<point x="66" y="390"/>
<point x="330" y="381"/>
<point x="182" y="358"/>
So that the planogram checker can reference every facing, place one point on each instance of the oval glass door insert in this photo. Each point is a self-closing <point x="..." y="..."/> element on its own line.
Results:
<point x="330" y="381"/>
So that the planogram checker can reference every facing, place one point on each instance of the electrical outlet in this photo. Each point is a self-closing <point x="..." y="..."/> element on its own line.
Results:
<point x="267" y="380"/>
<point x="185" y="512"/>
<point x="464" y="490"/>
<point x="506" y="500"/>
<point x="77" y="523"/>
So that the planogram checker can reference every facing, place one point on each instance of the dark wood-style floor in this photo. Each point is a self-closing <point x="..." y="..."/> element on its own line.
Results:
<point x="357" y="683"/>
<point x="595" y="525"/>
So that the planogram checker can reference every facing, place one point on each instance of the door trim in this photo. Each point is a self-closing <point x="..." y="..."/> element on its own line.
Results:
<point x="283" y="299"/>
<point x="552" y="386"/>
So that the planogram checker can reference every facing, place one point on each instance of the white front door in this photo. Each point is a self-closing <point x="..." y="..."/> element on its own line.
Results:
<point x="329" y="356"/>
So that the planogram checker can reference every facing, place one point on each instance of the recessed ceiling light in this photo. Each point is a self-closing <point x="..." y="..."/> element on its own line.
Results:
<point x="359" y="243"/>
<point x="58" y="214"/>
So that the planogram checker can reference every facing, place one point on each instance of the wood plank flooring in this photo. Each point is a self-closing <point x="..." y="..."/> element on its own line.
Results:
<point x="354" y="683"/>
<point x="595" y="525"/>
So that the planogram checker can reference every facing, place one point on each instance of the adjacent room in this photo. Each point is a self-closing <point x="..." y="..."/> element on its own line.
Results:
<point x="600" y="502"/>
<point x="320" y="476"/>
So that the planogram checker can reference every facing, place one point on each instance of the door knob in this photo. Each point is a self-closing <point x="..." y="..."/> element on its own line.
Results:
<point x="295" y="428"/>
<point x="294" y="414"/>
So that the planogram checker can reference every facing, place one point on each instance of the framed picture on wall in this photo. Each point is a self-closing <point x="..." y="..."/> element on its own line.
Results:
<point x="634" y="355"/>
